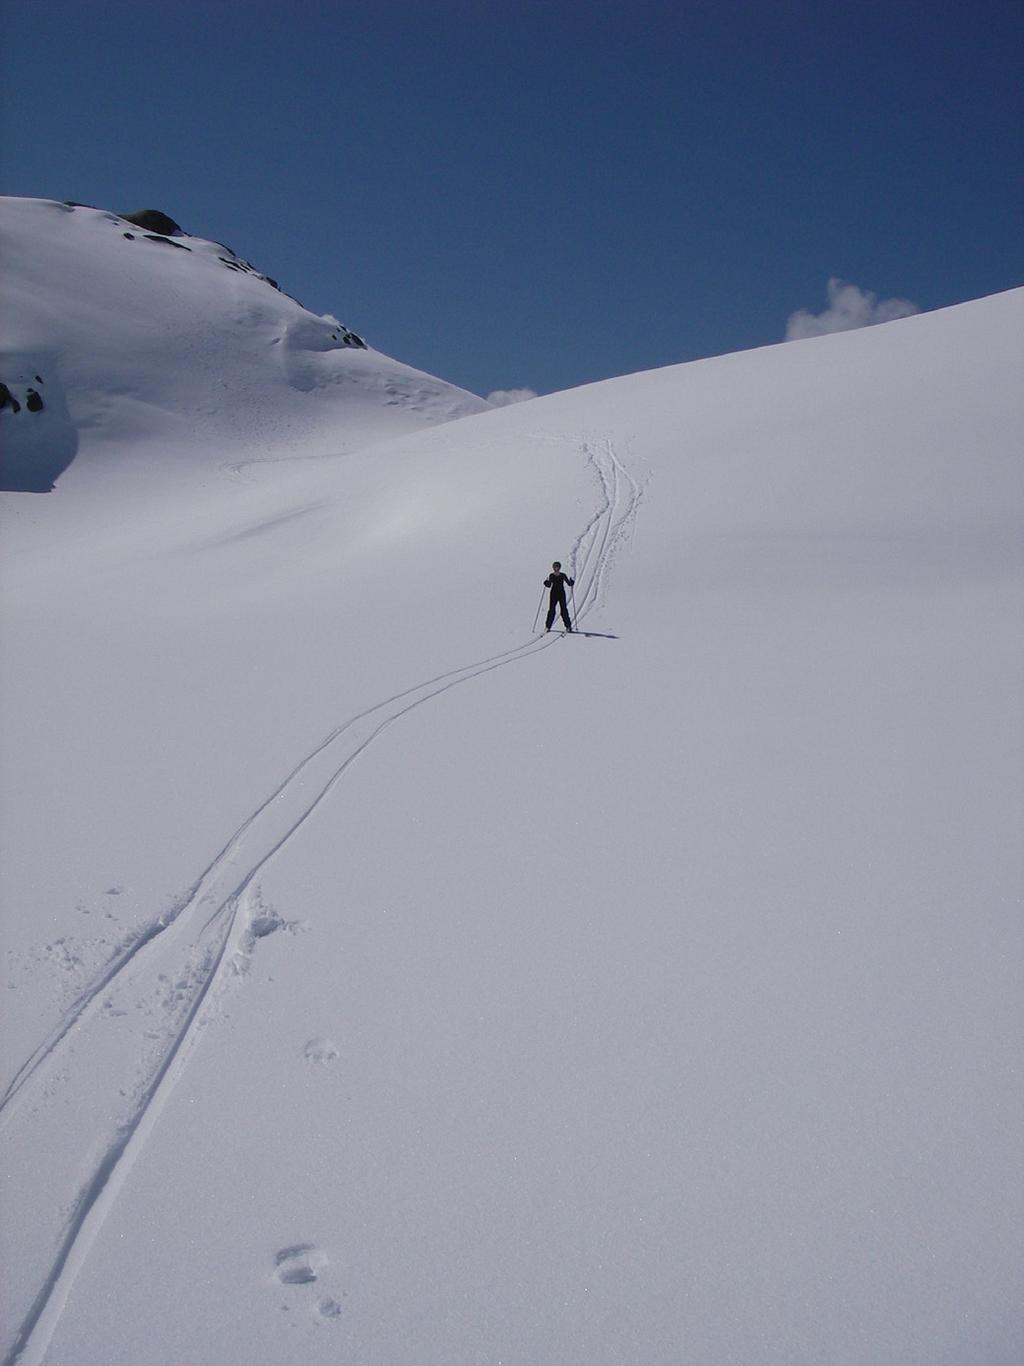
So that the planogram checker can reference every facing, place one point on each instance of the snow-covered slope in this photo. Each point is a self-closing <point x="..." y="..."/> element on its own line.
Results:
<point x="389" y="983"/>
<point x="131" y="337"/>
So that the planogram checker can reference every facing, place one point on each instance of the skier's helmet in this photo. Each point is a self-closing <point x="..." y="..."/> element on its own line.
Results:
<point x="557" y="564"/>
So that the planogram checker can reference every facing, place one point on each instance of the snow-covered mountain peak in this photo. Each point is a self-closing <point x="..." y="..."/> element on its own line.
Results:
<point x="116" y="333"/>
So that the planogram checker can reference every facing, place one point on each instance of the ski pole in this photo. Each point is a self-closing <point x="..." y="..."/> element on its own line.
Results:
<point x="572" y="590"/>
<point x="537" y="614"/>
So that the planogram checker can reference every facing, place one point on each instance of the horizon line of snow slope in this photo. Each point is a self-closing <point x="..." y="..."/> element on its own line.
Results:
<point x="177" y="341"/>
<point x="647" y="999"/>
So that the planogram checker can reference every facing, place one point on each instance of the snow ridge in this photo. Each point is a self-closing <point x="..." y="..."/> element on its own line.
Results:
<point x="184" y="351"/>
<point x="182" y="961"/>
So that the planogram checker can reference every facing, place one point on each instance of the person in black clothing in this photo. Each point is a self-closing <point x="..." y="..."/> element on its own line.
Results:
<point x="556" y="581"/>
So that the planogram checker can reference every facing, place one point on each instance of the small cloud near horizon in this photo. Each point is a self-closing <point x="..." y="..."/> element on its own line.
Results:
<point x="848" y="307"/>
<point x="500" y="398"/>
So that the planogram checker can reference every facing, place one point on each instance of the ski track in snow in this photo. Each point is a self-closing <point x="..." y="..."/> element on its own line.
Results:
<point x="178" y="964"/>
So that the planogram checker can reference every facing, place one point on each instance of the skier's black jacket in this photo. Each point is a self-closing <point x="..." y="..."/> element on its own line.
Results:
<point x="556" y="582"/>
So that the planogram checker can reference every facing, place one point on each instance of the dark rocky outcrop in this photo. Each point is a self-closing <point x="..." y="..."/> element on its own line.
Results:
<point x="154" y="220"/>
<point x="33" y="399"/>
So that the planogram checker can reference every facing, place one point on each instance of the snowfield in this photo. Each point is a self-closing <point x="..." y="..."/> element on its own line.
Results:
<point x="387" y="982"/>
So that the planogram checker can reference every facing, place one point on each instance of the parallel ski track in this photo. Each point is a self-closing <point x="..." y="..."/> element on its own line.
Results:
<point x="209" y="922"/>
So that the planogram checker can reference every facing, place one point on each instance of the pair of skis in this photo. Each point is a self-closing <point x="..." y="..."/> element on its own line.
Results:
<point x="588" y="635"/>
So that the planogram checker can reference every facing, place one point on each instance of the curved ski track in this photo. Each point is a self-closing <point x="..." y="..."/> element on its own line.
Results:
<point x="112" y="1071"/>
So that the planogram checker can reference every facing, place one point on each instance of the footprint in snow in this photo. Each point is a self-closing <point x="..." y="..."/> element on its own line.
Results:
<point x="320" y="1051"/>
<point x="302" y="1264"/>
<point x="264" y="920"/>
<point x="299" y="1263"/>
<point x="265" y="923"/>
<point x="261" y="922"/>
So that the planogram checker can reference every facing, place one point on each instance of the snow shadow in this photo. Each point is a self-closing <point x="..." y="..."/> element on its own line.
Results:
<point x="38" y="439"/>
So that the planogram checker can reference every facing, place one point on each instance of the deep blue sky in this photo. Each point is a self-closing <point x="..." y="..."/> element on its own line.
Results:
<point x="541" y="194"/>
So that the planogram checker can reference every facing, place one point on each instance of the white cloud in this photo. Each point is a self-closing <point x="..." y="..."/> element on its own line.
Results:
<point x="502" y="397"/>
<point x="848" y="307"/>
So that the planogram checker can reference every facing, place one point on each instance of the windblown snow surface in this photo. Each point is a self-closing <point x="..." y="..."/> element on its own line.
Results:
<point x="387" y="982"/>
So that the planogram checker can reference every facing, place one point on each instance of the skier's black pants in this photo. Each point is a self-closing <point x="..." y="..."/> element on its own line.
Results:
<point x="558" y="601"/>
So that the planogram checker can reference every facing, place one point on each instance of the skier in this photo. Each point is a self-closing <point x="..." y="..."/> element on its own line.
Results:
<point x="556" y="581"/>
